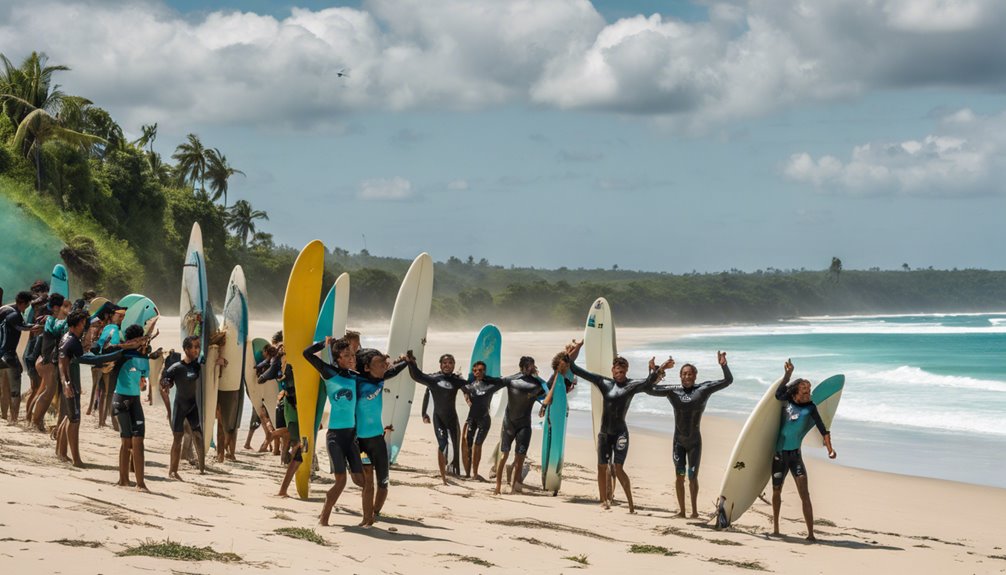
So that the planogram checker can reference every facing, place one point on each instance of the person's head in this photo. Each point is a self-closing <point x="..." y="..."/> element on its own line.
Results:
<point x="799" y="390"/>
<point x="22" y="300"/>
<point x="526" y="365"/>
<point x="132" y="332"/>
<point x="342" y="353"/>
<point x="372" y="363"/>
<point x="119" y="315"/>
<point x="688" y="373"/>
<point x="353" y="337"/>
<point x="190" y="345"/>
<point x="39" y="287"/>
<point x="619" y="368"/>
<point x="277" y="338"/>
<point x="40" y="302"/>
<point x="560" y="363"/>
<point x="56" y="301"/>
<point x="89" y="295"/>
<point x="77" y="322"/>
<point x="447" y="363"/>
<point x="269" y="351"/>
<point x="479" y="370"/>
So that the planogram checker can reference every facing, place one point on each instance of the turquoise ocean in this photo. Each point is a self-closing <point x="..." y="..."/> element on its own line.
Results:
<point x="925" y="395"/>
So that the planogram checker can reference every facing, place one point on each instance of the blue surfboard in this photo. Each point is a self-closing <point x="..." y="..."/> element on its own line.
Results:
<point x="60" y="281"/>
<point x="553" y="441"/>
<point x="323" y="329"/>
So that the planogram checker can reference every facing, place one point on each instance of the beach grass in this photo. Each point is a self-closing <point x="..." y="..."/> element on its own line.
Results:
<point x="534" y="541"/>
<point x="169" y="549"/>
<point x="581" y="559"/>
<point x="752" y="565"/>
<point x="467" y="559"/>
<point x="302" y="533"/>
<point x="651" y="549"/>
<point x="679" y="532"/>
<point x="77" y="543"/>
<point x="537" y="524"/>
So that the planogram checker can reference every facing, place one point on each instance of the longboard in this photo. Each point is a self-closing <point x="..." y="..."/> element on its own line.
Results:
<point x="409" y="321"/>
<point x="234" y="348"/>
<point x="553" y="441"/>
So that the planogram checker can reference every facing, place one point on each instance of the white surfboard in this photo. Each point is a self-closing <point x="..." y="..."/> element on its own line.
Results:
<point x="235" y="325"/>
<point x="599" y="350"/>
<point x="409" y="321"/>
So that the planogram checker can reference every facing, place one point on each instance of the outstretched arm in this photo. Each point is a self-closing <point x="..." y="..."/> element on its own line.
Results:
<point x="780" y="392"/>
<point x="311" y="355"/>
<point x="728" y="378"/>
<point x="420" y="377"/>
<point x="594" y="378"/>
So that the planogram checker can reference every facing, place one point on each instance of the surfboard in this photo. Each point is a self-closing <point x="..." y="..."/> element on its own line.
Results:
<point x="409" y="321"/>
<point x="260" y="394"/>
<point x="322" y="329"/>
<point x="196" y="318"/>
<point x="599" y="350"/>
<point x="60" y="281"/>
<point x="553" y="440"/>
<point x="300" y="315"/>
<point x="95" y="304"/>
<point x="128" y="300"/>
<point x="142" y="312"/>
<point x="235" y="345"/>
<point x="750" y="465"/>
<point x="333" y="317"/>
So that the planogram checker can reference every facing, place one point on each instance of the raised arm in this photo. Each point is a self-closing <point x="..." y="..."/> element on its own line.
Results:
<point x="419" y="377"/>
<point x="780" y="392"/>
<point x="728" y="377"/>
<point x="600" y="381"/>
<point x="395" y="369"/>
<point x="310" y="354"/>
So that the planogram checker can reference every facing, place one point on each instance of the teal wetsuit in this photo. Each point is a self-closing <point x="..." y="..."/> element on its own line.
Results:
<point x="340" y="388"/>
<point x="796" y="420"/>
<point x="130" y="368"/>
<point x="370" y="424"/>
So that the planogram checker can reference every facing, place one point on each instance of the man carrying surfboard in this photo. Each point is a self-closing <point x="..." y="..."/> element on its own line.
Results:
<point x="689" y="402"/>
<point x="523" y="390"/>
<point x="799" y="415"/>
<point x="613" y="439"/>
<point x="443" y="386"/>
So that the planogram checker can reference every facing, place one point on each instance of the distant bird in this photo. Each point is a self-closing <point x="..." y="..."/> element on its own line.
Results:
<point x="344" y="73"/>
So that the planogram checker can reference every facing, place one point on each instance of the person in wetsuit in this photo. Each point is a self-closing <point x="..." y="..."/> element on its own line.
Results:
<point x="443" y="386"/>
<point x="340" y="388"/>
<point x="523" y="390"/>
<point x="12" y="324"/>
<point x="111" y="317"/>
<point x="132" y="368"/>
<point x="613" y="438"/>
<point x="689" y="402"/>
<point x="288" y="428"/>
<point x="184" y="375"/>
<point x="38" y="313"/>
<point x="70" y="355"/>
<point x="799" y="415"/>
<point x="53" y="329"/>
<point x="374" y="369"/>
<point x="259" y="416"/>
<point x="479" y="395"/>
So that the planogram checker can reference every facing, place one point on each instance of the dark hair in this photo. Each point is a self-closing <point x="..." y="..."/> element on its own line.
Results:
<point x="39" y="287"/>
<point x="269" y="349"/>
<point x="23" y="297"/>
<point x="352" y="335"/>
<point x="619" y="360"/>
<point x="447" y="356"/>
<point x="478" y="363"/>
<point x="56" y="300"/>
<point x="364" y="357"/>
<point x="561" y="356"/>
<point x="132" y="332"/>
<point x="338" y="346"/>
<point x="682" y="370"/>
<point x="792" y="386"/>
<point x="189" y="342"/>
<point x="526" y="361"/>
<point x="75" y="317"/>
<point x="89" y="294"/>
<point x="277" y="337"/>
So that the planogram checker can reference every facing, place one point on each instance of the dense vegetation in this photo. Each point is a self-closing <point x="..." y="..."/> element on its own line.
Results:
<point x="123" y="214"/>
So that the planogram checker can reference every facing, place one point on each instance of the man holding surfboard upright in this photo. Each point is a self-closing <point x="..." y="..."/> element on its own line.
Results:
<point x="444" y="386"/>
<point x="798" y="416"/>
<point x="523" y="389"/>
<point x="613" y="439"/>
<point x="689" y="402"/>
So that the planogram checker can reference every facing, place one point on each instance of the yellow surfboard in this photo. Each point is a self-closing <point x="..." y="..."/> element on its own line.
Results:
<point x="300" y="313"/>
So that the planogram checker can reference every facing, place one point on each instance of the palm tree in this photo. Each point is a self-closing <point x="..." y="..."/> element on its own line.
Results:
<point x="191" y="157"/>
<point x="39" y="108"/>
<point x="147" y="137"/>
<point x="241" y="220"/>
<point x="160" y="170"/>
<point x="219" y="171"/>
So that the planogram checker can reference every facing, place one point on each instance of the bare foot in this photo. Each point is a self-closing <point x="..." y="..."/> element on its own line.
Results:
<point x="496" y="491"/>
<point x="79" y="464"/>
<point x="632" y="511"/>
<point x="694" y="515"/>
<point x="142" y="489"/>
<point x="282" y="494"/>
<point x="775" y="534"/>
<point x="518" y="488"/>
<point x="63" y="458"/>
<point x="174" y="475"/>
<point x="811" y="538"/>
<point x="680" y="515"/>
<point x="605" y="505"/>
<point x="248" y="446"/>
<point x="482" y="479"/>
<point x="121" y="484"/>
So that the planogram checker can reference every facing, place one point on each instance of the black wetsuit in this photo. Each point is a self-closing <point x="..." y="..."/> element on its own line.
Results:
<point x="689" y="403"/>
<point x="11" y="326"/>
<point x="613" y="437"/>
<point x="522" y="392"/>
<point x="444" y="389"/>
<point x="184" y="377"/>
<point x="480" y="394"/>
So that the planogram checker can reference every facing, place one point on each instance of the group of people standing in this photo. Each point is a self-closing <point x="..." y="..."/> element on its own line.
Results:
<point x="65" y="334"/>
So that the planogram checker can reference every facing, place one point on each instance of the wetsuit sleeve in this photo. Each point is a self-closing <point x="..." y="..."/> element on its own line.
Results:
<point x="316" y="362"/>
<point x="495" y="383"/>
<point x="263" y="365"/>
<point x="93" y="359"/>
<point x="396" y="369"/>
<point x="457" y="382"/>
<point x="594" y="378"/>
<point x="818" y="422"/>
<point x="271" y="372"/>
<point x="663" y="390"/>
<point x="712" y="386"/>
<point x="426" y="402"/>
<point x="780" y="392"/>
<point x="420" y="377"/>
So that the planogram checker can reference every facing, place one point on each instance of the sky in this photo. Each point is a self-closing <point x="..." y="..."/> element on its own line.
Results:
<point x="656" y="135"/>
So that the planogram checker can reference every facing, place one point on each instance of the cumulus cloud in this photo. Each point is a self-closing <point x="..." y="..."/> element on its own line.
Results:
<point x="967" y="156"/>
<point x="147" y="62"/>
<point x="385" y="189"/>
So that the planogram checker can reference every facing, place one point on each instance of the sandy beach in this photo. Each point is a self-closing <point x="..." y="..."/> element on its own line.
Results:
<point x="57" y="519"/>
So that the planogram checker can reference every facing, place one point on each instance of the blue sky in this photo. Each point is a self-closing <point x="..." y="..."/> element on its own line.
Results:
<point x="743" y="134"/>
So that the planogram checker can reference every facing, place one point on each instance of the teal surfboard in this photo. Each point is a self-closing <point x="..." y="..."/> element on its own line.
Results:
<point x="258" y="345"/>
<point x="323" y="329"/>
<point x="130" y="299"/>
<point x="141" y="312"/>
<point x="488" y="348"/>
<point x="60" y="281"/>
<point x="553" y="441"/>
